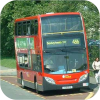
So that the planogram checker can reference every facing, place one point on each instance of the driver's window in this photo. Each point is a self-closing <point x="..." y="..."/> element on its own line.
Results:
<point x="36" y="60"/>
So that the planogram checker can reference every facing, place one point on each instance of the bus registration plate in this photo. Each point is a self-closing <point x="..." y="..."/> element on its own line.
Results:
<point x="67" y="87"/>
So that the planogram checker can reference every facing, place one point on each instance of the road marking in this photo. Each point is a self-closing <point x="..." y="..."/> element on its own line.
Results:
<point x="60" y="95"/>
<point x="68" y="95"/>
<point x="24" y="89"/>
<point x="89" y="96"/>
<point x="76" y="94"/>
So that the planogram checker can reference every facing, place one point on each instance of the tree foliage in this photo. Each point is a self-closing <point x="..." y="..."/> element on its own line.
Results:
<point x="23" y="8"/>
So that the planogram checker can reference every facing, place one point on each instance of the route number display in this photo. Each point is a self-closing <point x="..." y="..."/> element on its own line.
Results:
<point x="63" y="43"/>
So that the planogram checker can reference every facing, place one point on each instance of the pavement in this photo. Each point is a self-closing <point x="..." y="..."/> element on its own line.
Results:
<point x="4" y="71"/>
<point x="93" y="85"/>
<point x="12" y="72"/>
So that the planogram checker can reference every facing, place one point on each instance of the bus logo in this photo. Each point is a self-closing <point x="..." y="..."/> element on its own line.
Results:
<point x="66" y="76"/>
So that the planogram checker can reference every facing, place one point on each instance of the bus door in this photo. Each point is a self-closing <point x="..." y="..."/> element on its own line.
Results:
<point x="27" y="68"/>
<point x="37" y="69"/>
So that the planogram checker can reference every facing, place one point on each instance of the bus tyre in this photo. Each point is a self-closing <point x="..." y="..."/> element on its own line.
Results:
<point x="22" y="83"/>
<point x="36" y="87"/>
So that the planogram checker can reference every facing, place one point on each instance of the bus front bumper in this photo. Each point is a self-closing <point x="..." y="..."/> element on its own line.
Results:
<point x="48" y="86"/>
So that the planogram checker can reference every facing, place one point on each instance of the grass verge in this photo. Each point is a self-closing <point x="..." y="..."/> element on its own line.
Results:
<point x="8" y="62"/>
<point x="91" y="74"/>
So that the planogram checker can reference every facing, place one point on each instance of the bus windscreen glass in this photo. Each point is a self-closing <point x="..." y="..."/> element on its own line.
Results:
<point x="65" y="62"/>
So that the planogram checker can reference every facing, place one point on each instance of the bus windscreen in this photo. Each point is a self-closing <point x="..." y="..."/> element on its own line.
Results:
<point x="61" y="24"/>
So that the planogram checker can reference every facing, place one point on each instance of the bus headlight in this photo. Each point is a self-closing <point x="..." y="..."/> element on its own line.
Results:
<point x="49" y="80"/>
<point x="83" y="77"/>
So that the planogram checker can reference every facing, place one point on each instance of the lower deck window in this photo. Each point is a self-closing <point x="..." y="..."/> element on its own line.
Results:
<point x="23" y="60"/>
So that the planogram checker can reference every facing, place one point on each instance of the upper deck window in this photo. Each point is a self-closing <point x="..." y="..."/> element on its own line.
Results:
<point x="61" y="24"/>
<point x="26" y="28"/>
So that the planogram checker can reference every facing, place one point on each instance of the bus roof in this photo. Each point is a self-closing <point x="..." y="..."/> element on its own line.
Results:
<point x="46" y="15"/>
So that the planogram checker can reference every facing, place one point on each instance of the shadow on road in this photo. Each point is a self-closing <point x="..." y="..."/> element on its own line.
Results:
<point x="61" y="92"/>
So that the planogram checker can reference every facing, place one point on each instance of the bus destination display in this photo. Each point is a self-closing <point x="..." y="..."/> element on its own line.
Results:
<point x="63" y="43"/>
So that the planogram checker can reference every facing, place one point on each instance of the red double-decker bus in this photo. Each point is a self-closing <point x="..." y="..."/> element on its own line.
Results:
<point x="51" y="51"/>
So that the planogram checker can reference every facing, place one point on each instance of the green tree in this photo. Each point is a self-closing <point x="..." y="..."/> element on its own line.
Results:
<point x="91" y="17"/>
<point x="7" y="43"/>
<point x="23" y="8"/>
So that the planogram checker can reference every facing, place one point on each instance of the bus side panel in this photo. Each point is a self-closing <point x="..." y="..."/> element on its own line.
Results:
<point x="86" y="43"/>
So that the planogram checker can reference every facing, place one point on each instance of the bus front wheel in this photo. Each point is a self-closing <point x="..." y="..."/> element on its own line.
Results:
<point x="22" y="83"/>
<point x="36" y="87"/>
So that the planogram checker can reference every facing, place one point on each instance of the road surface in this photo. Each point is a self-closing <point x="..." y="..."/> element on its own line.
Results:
<point x="16" y="92"/>
<point x="13" y="90"/>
